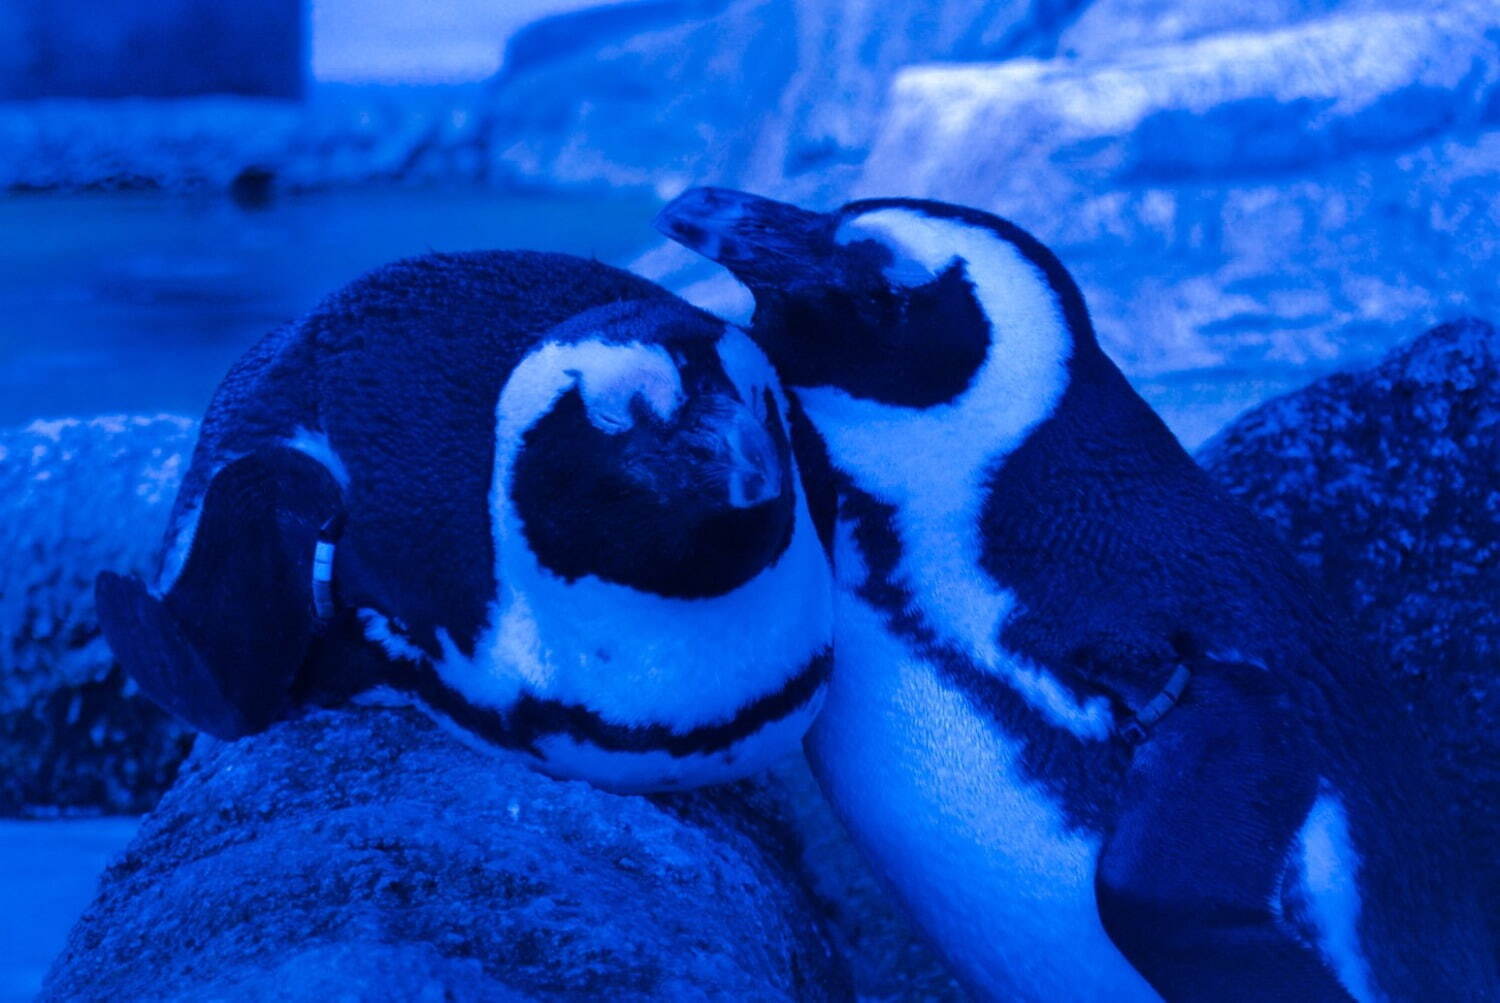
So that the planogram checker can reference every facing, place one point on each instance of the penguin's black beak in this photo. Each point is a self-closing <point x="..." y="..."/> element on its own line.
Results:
<point x="765" y="243"/>
<point x="747" y="460"/>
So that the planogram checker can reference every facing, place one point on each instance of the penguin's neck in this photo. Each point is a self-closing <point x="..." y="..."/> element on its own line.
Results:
<point x="931" y="470"/>
<point x="637" y="657"/>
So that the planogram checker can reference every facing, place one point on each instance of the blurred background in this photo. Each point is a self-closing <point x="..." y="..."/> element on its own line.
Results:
<point x="1251" y="192"/>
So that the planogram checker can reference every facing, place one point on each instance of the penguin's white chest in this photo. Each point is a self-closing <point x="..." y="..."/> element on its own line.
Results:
<point x="935" y="796"/>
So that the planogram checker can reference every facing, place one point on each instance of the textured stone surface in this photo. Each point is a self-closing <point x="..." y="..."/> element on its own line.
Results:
<point x="80" y="496"/>
<point x="161" y="47"/>
<point x="368" y="854"/>
<point x="1386" y="483"/>
<point x="819" y="131"/>
<point x="1287" y="198"/>
<point x="649" y="105"/>
<point x="341" y="136"/>
<point x="1105" y="28"/>
<point x="655" y="94"/>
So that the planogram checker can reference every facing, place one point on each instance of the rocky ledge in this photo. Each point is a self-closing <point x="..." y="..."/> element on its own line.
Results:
<point x="1386" y="483"/>
<point x="80" y="496"/>
<point x="367" y="854"/>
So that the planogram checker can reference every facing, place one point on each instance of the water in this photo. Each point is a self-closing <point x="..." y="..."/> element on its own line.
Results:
<point x="48" y="873"/>
<point x="139" y="302"/>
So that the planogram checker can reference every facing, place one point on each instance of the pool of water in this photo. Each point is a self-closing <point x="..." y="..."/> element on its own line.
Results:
<point x="119" y="302"/>
<point x="49" y="871"/>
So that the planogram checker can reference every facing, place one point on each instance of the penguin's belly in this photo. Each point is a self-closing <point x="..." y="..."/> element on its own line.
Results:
<point x="935" y="796"/>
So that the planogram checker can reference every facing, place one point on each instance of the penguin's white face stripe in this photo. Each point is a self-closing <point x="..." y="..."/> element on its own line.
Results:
<point x="752" y="375"/>
<point x="379" y="629"/>
<point x="634" y="657"/>
<point x="1328" y="870"/>
<point x="916" y="256"/>
<point x="174" y="558"/>
<point x="931" y="463"/>
<point x="748" y="369"/>
<point x="609" y="377"/>
<point x="317" y="446"/>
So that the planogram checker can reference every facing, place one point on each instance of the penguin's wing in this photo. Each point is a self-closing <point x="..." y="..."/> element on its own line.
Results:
<point x="1191" y="870"/>
<point x="222" y="647"/>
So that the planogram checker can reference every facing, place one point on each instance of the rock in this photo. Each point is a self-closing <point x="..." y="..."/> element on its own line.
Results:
<point x="1279" y="200"/>
<point x="152" y="47"/>
<point x="1106" y="28"/>
<point x="819" y="131"/>
<point x="560" y="37"/>
<point x="365" y="852"/>
<point x="648" y="104"/>
<point x="81" y="496"/>
<point x="1386" y="483"/>
<point x="780" y="95"/>
<point x="343" y="135"/>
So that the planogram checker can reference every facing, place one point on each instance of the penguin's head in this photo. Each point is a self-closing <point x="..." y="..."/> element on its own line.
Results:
<point x="902" y="302"/>
<point x="662" y="611"/>
<point x="633" y="456"/>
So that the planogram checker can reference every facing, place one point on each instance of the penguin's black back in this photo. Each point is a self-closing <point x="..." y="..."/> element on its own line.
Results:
<point x="401" y="371"/>
<point x="410" y="363"/>
<point x="1123" y="555"/>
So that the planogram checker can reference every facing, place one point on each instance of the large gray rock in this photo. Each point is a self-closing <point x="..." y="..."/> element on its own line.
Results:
<point x="814" y="139"/>
<point x="74" y="48"/>
<point x="340" y="136"/>
<point x="367" y="854"/>
<point x="647" y="104"/>
<point x="1386" y="483"/>
<point x="1279" y="200"/>
<point x="781" y="95"/>
<point x="560" y="37"/>
<point x="1105" y="28"/>
<point x="80" y="496"/>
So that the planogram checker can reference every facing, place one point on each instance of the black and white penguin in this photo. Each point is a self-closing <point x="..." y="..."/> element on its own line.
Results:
<point x="1099" y="731"/>
<point x="542" y="497"/>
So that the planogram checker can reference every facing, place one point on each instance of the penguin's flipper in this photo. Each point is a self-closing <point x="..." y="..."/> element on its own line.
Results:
<point x="151" y="646"/>
<point x="1188" y="877"/>
<point x="222" y="648"/>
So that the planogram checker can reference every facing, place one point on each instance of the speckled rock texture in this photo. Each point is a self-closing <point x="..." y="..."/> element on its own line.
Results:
<point x="342" y="135"/>
<point x="368" y="854"/>
<point x="80" y="496"/>
<point x="1386" y="483"/>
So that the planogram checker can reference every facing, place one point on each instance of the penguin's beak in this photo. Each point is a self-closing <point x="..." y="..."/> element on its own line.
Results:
<point x="765" y="243"/>
<point x="746" y="455"/>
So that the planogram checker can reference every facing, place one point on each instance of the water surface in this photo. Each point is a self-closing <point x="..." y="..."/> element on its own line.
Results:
<point x="139" y="302"/>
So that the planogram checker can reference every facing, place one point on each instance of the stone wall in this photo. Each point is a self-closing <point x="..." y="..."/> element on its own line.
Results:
<point x="151" y="48"/>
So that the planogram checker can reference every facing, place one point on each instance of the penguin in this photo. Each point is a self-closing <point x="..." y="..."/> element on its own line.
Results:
<point x="1098" y="730"/>
<point x="543" y="499"/>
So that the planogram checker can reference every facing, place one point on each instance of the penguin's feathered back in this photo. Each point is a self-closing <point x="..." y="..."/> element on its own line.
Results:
<point x="455" y="325"/>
